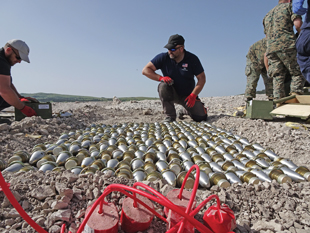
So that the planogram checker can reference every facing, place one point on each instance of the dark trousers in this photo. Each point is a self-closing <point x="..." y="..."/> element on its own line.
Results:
<point x="303" y="52"/>
<point x="169" y="97"/>
<point x="3" y="104"/>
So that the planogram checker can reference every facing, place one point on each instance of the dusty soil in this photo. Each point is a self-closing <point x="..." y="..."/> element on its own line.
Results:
<point x="53" y="198"/>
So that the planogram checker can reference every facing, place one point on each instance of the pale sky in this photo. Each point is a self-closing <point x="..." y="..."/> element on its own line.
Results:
<point x="99" y="48"/>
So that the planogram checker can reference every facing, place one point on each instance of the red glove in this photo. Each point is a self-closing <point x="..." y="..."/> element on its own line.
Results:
<point x="166" y="79"/>
<point x="27" y="111"/>
<point x="191" y="99"/>
<point x="24" y="100"/>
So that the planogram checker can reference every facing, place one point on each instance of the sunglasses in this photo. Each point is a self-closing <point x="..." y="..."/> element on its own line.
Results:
<point x="175" y="49"/>
<point x="16" y="55"/>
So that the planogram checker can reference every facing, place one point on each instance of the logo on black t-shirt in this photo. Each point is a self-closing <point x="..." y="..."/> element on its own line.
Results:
<point x="184" y="66"/>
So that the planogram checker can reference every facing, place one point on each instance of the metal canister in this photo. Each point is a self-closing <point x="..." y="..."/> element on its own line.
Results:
<point x="228" y="156"/>
<point x="15" y="166"/>
<point x="204" y="180"/>
<point x="261" y="175"/>
<point x="270" y="153"/>
<point x="292" y="174"/>
<point x="149" y="157"/>
<point x="232" y="177"/>
<point x="154" y="175"/>
<point x="123" y="172"/>
<point x="175" y="166"/>
<point x="240" y="156"/>
<point x="262" y="155"/>
<point x="219" y="179"/>
<point x="278" y="175"/>
<point x="128" y="156"/>
<point x="112" y="163"/>
<point x="205" y="167"/>
<point x="59" y="149"/>
<point x="62" y="157"/>
<point x="197" y="158"/>
<point x="304" y="171"/>
<point x="187" y="164"/>
<point x="47" y="166"/>
<point x="217" y="157"/>
<point x="99" y="164"/>
<point x="160" y="156"/>
<point x="189" y="182"/>
<point x="261" y="162"/>
<point x="149" y="167"/>
<point x="139" y="174"/>
<point x="136" y="163"/>
<point x="227" y="166"/>
<point x="36" y="156"/>
<point x="117" y="154"/>
<point x="169" y="176"/>
<point x="185" y="156"/>
<point x="249" y="154"/>
<point x="248" y="177"/>
<point x="250" y="164"/>
<point x="287" y="162"/>
<point x="161" y="165"/>
<point x="73" y="149"/>
<point x="48" y="157"/>
<point x="76" y="170"/>
<point x="216" y="167"/>
<point x="87" y="162"/>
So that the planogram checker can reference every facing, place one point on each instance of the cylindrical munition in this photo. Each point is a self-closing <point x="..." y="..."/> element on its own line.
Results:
<point x="87" y="161"/>
<point x="149" y="157"/>
<point x="167" y="143"/>
<point x="211" y="144"/>
<point x="73" y="149"/>
<point x="217" y="157"/>
<point x="232" y="177"/>
<point x="293" y="175"/>
<point x="128" y="156"/>
<point x="270" y="154"/>
<point x="238" y="146"/>
<point x="204" y="180"/>
<point x="93" y="147"/>
<point x="161" y="165"/>
<point x="50" y="148"/>
<point x="139" y="154"/>
<point x="172" y="156"/>
<point x="95" y="153"/>
<point x="187" y="164"/>
<point x="162" y="148"/>
<point x="231" y="149"/>
<point x="108" y="169"/>
<point x="206" y="157"/>
<point x="262" y="162"/>
<point x="103" y="146"/>
<point x="85" y="144"/>
<point x="210" y="151"/>
<point x="247" y="177"/>
<point x="15" y="158"/>
<point x="154" y="175"/>
<point x="2" y="164"/>
<point x="220" y="149"/>
<point x="227" y="165"/>
<point x="15" y="166"/>
<point x="200" y="150"/>
<point x="249" y="148"/>
<point x="240" y="156"/>
<point x="26" y="168"/>
<point x="36" y="156"/>
<point x="183" y="143"/>
<point x="261" y="175"/>
<point x="99" y="164"/>
<point x="219" y="179"/>
<point x="197" y="158"/>
<point x="136" y="163"/>
<point x="123" y="172"/>
<point x="262" y="156"/>
<point x="47" y="166"/>
<point x="205" y="167"/>
<point x="278" y="175"/>
<point x="112" y="141"/>
<point x="170" y="177"/>
<point x="149" y="167"/>
<point x="175" y="167"/>
<point x="258" y="147"/>
<point x="248" y="154"/>
<point x="189" y="182"/>
<point x="139" y="174"/>
<point x="117" y="154"/>
<point x="62" y="157"/>
<point x="304" y="171"/>
<point x="48" y="157"/>
<point x="123" y="147"/>
<point x="185" y="156"/>
<point x="192" y="143"/>
<point x="89" y="170"/>
<point x="112" y="163"/>
<point x="244" y="141"/>
<point x="215" y="167"/>
<point x="250" y="164"/>
<point x="287" y="162"/>
<point x="76" y="170"/>
<point x="160" y="155"/>
<point x="22" y="154"/>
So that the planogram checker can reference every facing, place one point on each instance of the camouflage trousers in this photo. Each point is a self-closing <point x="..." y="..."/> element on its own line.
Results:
<point x="279" y="63"/>
<point x="253" y="73"/>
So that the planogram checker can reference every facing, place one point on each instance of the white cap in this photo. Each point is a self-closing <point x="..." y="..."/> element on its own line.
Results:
<point x="22" y="48"/>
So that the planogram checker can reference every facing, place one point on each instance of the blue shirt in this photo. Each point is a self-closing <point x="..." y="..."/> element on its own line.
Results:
<point x="182" y="73"/>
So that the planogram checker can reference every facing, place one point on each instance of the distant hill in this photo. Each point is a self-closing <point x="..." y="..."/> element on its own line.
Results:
<point x="52" y="97"/>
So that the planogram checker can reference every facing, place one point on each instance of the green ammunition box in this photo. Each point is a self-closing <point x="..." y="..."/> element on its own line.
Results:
<point x="43" y="110"/>
<point x="259" y="109"/>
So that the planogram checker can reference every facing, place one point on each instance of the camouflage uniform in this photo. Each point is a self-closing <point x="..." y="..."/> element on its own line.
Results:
<point x="281" y="51"/>
<point x="255" y="67"/>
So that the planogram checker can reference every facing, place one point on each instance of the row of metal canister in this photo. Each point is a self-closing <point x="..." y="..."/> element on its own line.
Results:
<point x="149" y="151"/>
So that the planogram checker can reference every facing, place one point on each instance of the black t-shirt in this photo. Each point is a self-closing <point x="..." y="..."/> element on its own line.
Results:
<point x="182" y="73"/>
<point x="5" y="67"/>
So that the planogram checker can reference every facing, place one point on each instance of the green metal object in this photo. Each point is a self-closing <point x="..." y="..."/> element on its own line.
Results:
<point x="42" y="109"/>
<point x="259" y="109"/>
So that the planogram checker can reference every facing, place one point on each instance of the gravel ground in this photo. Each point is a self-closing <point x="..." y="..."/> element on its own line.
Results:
<point x="53" y="198"/>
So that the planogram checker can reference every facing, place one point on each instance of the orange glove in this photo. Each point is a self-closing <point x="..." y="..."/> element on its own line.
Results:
<point x="191" y="99"/>
<point x="27" y="111"/>
<point x="166" y="79"/>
